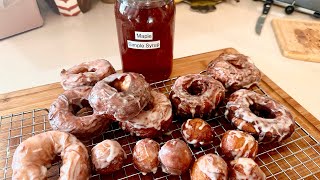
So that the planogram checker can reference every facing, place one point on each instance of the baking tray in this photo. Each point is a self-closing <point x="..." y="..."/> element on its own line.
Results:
<point x="296" y="158"/>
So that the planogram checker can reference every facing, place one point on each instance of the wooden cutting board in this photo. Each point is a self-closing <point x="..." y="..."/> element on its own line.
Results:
<point x="295" y="159"/>
<point x="298" y="39"/>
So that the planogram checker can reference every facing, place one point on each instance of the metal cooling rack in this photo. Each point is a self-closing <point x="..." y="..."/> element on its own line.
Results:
<point x="296" y="158"/>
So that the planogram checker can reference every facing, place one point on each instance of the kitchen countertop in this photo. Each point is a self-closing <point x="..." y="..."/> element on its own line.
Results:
<point x="36" y="57"/>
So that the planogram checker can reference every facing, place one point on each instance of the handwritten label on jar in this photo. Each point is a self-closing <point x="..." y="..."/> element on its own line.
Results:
<point x="143" y="35"/>
<point x="143" y="45"/>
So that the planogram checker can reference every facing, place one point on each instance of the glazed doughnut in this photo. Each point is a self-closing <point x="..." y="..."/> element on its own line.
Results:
<point x="107" y="156"/>
<point x="121" y="96"/>
<point x="145" y="156"/>
<point x="86" y="74"/>
<point x="175" y="157"/>
<point x="260" y="116"/>
<point x="234" y="71"/>
<point x="236" y="144"/>
<point x="72" y="113"/>
<point x="209" y="166"/>
<point x="34" y="155"/>
<point x="197" y="132"/>
<point x="154" y="120"/>
<point x="196" y="95"/>
<point x="245" y="168"/>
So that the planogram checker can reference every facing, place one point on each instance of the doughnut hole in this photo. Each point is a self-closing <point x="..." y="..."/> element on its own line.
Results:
<point x="84" y="70"/>
<point x="238" y="66"/>
<point x="82" y="108"/>
<point x="196" y="88"/>
<point x="122" y="85"/>
<point x="262" y="111"/>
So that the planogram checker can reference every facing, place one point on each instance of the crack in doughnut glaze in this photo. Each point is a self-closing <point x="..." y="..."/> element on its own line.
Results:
<point x="234" y="71"/>
<point x="152" y="122"/>
<point x="86" y="74"/>
<point x="209" y="166"/>
<point x="85" y="123"/>
<point x="276" y="123"/>
<point x="121" y="96"/>
<point x="196" y="95"/>
<point x="34" y="155"/>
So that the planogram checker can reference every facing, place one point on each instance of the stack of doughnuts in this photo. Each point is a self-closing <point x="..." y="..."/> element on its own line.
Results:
<point x="96" y="96"/>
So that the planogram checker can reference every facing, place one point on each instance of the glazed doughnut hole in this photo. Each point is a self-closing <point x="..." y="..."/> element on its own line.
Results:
<point x="245" y="168"/>
<point x="145" y="156"/>
<point x="236" y="144"/>
<point x="107" y="156"/>
<point x="197" y="132"/>
<point x="175" y="157"/>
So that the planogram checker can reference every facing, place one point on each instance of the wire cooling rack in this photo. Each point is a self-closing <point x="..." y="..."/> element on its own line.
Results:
<point x="296" y="158"/>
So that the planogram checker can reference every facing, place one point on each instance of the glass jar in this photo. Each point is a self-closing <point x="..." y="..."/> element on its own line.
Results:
<point x="145" y="34"/>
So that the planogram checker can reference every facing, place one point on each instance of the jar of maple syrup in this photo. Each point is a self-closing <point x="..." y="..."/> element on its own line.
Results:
<point x="145" y="34"/>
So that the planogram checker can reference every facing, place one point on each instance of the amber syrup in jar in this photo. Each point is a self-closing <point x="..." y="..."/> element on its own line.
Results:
<point x="145" y="34"/>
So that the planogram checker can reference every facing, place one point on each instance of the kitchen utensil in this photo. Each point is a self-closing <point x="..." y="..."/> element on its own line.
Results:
<point x="311" y="7"/>
<point x="263" y="16"/>
<point x="298" y="39"/>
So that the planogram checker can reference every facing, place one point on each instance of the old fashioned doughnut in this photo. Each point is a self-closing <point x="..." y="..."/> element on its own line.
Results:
<point x="121" y="96"/>
<point x="72" y="113"/>
<point x="175" y="157"/>
<point x="209" y="166"/>
<point x="153" y="120"/>
<point x="196" y="95"/>
<point x="107" y="156"/>
<point x="236" y="144"/>
<point x="259" y="115"/>
<point x="145" y="156"/>
<point x="197" y="132"/>
<point x="234" y="71"/>
<point x="86" y="74"/>
<point x="245" y="168"/>
<point x="34" y="155"/>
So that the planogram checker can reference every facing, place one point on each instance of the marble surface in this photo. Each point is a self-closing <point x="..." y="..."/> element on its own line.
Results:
<point x="37" y="57"/>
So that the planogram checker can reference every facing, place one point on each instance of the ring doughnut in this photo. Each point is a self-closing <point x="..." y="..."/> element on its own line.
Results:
<point x="260" y="116"/>
<point x="154" y="120"/>
<point x="72" y="113"/>
<point x="121" y="96"/>
<point x="34" y="155"/>
<point x="196" y="95"/>
<point x="86" y="74"/>
<point x="234" y="71"/>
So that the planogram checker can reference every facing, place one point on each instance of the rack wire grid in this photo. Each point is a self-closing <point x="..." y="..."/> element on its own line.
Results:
<point x="296" y="158"/>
